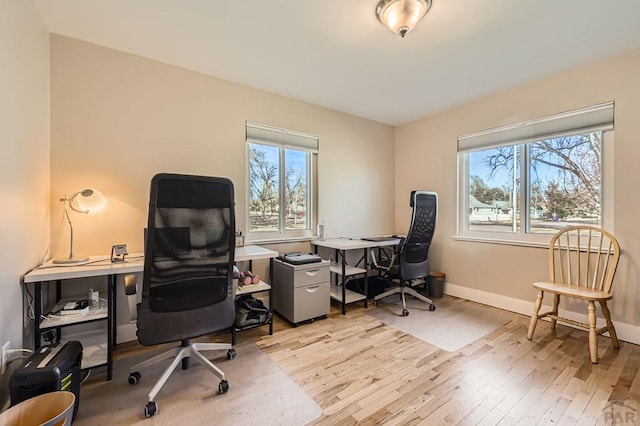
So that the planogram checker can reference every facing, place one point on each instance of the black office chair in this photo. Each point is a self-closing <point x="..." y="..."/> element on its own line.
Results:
<point x="188" y="288"/>
<point x="411" y="260"/>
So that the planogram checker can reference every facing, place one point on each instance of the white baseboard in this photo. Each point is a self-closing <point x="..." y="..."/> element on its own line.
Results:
<point x="626" y="332"/>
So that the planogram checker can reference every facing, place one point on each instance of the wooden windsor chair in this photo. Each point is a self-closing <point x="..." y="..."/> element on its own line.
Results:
<point x="582" y="264"/>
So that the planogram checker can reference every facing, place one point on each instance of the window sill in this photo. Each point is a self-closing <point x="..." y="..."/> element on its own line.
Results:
<point x="488" y="240"/>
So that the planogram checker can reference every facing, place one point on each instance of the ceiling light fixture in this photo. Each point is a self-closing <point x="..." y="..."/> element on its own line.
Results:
<point x="400" y="16"/>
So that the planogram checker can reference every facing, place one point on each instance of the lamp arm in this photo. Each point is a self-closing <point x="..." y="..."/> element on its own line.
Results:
<point x="69" y="201"/>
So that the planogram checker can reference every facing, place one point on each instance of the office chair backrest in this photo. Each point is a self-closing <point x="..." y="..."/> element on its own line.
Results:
<point x="189" y="255"/>
<point x="414" y="248"/>
<point x="423" y="218"/>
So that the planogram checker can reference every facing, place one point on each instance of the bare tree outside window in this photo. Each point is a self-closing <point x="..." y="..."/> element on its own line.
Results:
<point x="564" y="184"/>
<point x="264" y="202"/>
<point x="296" y="190"/>
<point x="269" y="166"/>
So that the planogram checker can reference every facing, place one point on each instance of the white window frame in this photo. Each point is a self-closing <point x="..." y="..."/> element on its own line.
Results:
<point x="584" y="120"/>
<point x="284" y="139"/>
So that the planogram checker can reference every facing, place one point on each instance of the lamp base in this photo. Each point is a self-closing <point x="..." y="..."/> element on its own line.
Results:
<point x="69" y="260"/>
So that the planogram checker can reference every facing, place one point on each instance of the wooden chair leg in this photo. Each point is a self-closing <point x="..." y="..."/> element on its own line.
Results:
<point x="593" y="336"/>
<point x="612" y="330"/>
<point x="556" y="302"/>
<point x="534" y="316"/>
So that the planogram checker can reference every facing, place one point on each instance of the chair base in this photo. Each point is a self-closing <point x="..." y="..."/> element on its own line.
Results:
<point x="182" y="353"/>
<point x="404" y="290"/>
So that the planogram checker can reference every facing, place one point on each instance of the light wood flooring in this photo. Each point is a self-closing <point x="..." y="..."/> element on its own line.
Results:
<point x="361" y="371"/>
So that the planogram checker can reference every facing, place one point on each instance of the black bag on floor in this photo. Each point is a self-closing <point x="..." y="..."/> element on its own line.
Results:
<point x="251" y="311"/>
<point x="375" y="286"/>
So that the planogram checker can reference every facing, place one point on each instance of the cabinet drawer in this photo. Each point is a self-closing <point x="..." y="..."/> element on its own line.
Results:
<point x="312" y="275"/>
<point x="311" y="301"/>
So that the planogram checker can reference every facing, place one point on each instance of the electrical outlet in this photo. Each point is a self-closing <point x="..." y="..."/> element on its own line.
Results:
<point x="5" y="356"/>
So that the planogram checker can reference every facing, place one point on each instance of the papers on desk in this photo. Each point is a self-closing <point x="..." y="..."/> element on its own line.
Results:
<point x="379" y="239"/>
<point x="299" y="258"/>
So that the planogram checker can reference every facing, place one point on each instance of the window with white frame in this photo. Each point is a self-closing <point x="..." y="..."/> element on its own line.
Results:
<point x="282" y="182"/>
<point x="525" y="181"/>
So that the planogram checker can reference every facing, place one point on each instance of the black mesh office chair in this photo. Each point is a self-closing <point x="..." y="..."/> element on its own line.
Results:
<point x="188" y="288"/>
<point x="412" y="259"/>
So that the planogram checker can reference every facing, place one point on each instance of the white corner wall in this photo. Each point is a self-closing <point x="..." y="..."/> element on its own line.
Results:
<point x="24" y="163"/>
<point x="426" y="159"/>
<point x="117" y="119"/>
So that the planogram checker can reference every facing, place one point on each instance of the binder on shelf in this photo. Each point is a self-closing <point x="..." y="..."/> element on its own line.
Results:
<point x="82" y="311"/>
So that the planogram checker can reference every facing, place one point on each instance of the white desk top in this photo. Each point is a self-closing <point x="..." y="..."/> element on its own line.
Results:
<point x="353" y="243"/>
<point x="254" y="253"/>
<point x="101" y="265"/>
<point x="94" y="267"/>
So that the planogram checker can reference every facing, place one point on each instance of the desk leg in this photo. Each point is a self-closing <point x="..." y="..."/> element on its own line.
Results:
<point x="58" y="297"/>
<point x="110" y="324"/>
<point x="114" y="303"/>
<point x="37" y="312"/>
<point x="344" y="281"/>
<point x="271" y="295"/>
<point x="366" y="277"/>
<point x="334" y="280"/>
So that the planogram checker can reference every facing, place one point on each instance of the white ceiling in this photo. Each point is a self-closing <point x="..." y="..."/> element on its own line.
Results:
<point x="336" y="54"/>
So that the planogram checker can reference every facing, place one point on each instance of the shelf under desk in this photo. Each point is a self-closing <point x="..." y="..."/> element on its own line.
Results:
<point x="101" y="266"/>
<point x="96" y="266"/>
<point x="343" y="271"/>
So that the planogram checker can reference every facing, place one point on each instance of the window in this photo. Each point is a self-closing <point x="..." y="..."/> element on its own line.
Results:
<point x="526" y="181"/>
<point x="282" y="176"/>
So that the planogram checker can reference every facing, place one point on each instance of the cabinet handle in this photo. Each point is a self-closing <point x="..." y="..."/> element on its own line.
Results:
<point x="315" y="271"/>
<point x="312" y="289"/>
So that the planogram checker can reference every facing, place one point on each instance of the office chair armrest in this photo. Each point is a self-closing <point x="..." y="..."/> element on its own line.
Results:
<point x="380" y="267"/>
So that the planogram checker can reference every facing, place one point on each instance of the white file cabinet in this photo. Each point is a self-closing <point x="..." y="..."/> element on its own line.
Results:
<point x="301" y="292"/>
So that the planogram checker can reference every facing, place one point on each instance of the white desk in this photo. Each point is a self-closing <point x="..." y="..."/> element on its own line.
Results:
<point x="341" y="246"/>
<point x="249" y="254"/>
<point x="96" y="266"/>
<point x="99" y="266"/>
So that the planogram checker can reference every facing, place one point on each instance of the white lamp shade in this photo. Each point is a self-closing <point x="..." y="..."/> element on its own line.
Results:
<point x="400" y="16"/>
<point x="90" y="201"/>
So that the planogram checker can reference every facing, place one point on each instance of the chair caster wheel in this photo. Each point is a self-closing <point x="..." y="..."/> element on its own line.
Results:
<point x="134" y="378"/>
<point x="150" y="409"/>
<point x="405" y="312"/>
<point x="223" y="387"/>
<point x="432" y="307"/>
<point x="231" y="354"/>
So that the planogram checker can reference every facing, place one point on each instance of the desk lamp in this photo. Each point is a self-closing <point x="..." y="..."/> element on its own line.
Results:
<point x="88" y="201"/>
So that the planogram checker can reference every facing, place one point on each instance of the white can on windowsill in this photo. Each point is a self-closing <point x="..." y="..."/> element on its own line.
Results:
<point x="321" y="232"/>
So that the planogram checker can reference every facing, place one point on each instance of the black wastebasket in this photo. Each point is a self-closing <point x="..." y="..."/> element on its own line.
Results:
<point x="436" y="284"/>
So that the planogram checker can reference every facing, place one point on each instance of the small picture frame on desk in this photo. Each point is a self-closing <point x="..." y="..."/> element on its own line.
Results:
<point x="118" y="252"/>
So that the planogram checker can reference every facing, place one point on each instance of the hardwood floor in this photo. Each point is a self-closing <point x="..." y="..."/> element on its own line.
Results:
<point x="361" y="371"/>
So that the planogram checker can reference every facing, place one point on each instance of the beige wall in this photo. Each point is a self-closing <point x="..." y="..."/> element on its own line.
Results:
<point x="117" y="119"/>
<point x="24" y="164"/>
<point x="426" y="158"/>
